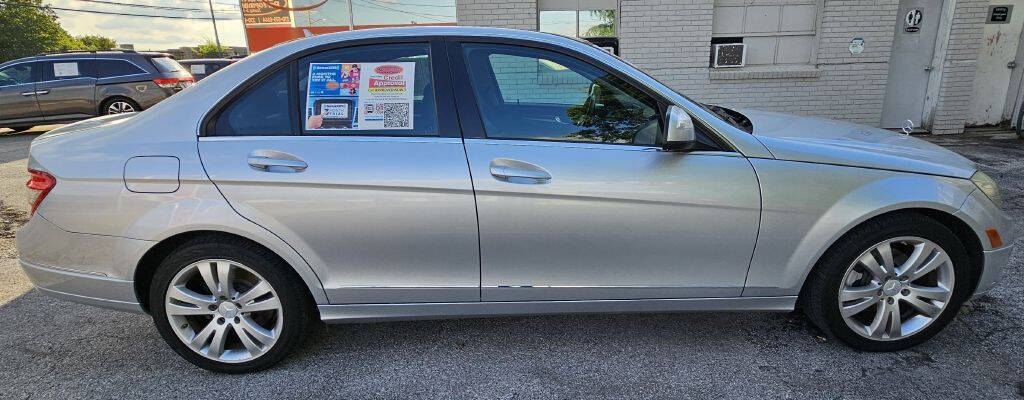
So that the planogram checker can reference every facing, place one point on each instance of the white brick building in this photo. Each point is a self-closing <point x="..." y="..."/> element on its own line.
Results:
<point x="802" y="56"/>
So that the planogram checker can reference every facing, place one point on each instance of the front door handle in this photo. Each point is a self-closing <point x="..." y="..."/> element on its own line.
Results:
<point x="276" y="164"/>
<point x="26" y="94"/>
<point x="514" y="171"/>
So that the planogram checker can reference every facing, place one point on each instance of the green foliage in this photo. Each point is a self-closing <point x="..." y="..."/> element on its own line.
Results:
<point x="607" y="26"/>
<point x="209" y="49"/>
<point x="29" y="28"/>
<point x="96" y="42"/>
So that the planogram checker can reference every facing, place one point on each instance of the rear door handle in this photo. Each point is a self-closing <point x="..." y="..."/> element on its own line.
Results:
<point x="276" y="164"/>
<point x="47" y="91"/>
<point x="514" y="171"/>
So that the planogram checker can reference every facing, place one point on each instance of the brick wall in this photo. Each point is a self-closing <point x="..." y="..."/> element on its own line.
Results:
<point x="671" y="40"/>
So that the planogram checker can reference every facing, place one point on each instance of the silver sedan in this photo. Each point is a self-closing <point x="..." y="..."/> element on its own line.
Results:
<point x="451" y="172"/>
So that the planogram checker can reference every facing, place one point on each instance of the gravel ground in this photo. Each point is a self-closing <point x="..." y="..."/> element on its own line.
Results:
<point x="55" y="349"/>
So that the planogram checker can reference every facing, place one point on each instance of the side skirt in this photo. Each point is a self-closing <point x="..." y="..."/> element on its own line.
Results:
<point x="353" y="313"/>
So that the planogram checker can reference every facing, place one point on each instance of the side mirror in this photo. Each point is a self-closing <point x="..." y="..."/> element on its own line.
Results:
<point x="679" y="132"/>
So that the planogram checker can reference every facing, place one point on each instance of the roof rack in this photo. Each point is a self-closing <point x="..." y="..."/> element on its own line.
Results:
<point x="84" y="51"/>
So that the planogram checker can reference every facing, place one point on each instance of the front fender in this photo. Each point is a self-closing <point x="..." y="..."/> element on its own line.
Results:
<point x="807" y="207"/>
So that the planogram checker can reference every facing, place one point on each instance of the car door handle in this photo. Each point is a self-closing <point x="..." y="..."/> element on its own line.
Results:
<point x="276" y="164"/>
<point x="514" y="171"/>
<point x="38" y="92"/>
<point x="26" y="94"/>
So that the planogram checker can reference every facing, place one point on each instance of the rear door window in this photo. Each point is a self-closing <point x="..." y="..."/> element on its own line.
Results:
<point x="379" y="90"/>
<point x="166" y="64"/>
<point x="66" y="69"/>
<point x="112" y="68"/>
<point x="262" y="110"/>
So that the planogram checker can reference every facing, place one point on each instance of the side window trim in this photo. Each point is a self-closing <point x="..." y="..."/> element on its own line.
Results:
<point x="470" y="112"/>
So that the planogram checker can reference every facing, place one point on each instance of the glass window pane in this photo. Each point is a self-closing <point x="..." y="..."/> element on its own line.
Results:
<point x="16" y="74"/>
<point x="526" y="93"/>
<point x="261" y="111"/>
<point x="164" y="64"/>
<point x="110" y="68"/>
<point x="340" y="115"/>
<point x="597" y="23"/>
<point x="558" y="22"/>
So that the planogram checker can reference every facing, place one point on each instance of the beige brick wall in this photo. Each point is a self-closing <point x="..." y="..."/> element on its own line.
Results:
<point x="671" y="40"/>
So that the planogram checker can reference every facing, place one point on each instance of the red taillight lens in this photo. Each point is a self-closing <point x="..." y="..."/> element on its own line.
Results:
<point x="166" y="83"/>
<point x="41" y="183"/>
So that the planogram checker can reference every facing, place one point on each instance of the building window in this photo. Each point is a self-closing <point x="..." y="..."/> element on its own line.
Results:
<point x="775" y="32"/>
<point x="594" y="20"/>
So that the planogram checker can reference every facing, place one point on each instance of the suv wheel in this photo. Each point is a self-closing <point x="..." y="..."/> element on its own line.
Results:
<point x="119" y="105"/>
<point x="228" y="305"/>
<point x="890" y="284"/>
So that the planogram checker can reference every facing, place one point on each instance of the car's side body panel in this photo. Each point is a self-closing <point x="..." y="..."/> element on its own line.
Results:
<point x="380" y="219"/>
<point x="807" y="207"/>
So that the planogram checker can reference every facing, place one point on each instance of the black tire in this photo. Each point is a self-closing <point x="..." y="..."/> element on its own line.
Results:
<point x="298" y="308"/>
<point x="820" y="297"/>
<point x="104" y="107"/>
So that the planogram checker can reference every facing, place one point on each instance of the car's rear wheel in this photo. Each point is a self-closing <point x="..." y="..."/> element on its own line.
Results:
<point x="119" y="105"/>
<point x="229" y="305"/>
<point x="890" y="284"/>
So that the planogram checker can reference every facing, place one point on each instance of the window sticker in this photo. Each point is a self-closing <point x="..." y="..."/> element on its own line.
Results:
<point x="197" y="69"/>
<point x="63" y="70"/>
<point x="365" y="96"/>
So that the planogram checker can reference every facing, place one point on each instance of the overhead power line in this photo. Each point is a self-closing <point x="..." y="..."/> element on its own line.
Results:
<point x="109" y="12"/>
<point x="380" y="6"/>
<point x="156" y="7"/>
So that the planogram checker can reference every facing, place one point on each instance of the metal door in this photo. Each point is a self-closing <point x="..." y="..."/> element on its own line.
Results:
<point x="910" y="62"/>
<point x="18" y="93"/>
<point x="67" y="89"/>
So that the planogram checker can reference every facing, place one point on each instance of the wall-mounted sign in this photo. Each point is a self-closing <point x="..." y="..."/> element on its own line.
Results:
<point x="999" y="14"/>
<point x="266" y="12"/>
<point x="856" y="45"/>
<point x="912" y="21"/>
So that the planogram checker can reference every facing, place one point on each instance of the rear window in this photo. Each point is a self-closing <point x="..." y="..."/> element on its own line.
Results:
<point x="166" y="64"/>
<point x="106" y="68"/>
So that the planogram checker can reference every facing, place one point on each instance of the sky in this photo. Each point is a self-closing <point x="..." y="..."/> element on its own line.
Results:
<point x="148" y="33"/>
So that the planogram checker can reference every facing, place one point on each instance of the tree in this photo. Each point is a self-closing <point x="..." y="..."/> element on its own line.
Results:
<point x="210" y="49"/>
<point x="607" y="26"/>
<point x="30" y="28"/>
<point x="96" y="42"/>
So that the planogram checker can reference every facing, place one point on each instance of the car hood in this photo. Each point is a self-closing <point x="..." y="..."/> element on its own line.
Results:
<point x="819" y="140"/>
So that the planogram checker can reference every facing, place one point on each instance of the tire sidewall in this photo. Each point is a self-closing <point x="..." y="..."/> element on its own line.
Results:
<point x="293" y="306"/>
<point x="845" y="254"/>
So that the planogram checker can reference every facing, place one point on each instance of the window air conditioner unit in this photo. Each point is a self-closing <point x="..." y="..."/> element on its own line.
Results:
<point x="730" y="55"/>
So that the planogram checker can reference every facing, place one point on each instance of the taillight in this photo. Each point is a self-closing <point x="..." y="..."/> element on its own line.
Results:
<point x="41" y="183"/>
<point x="170" y="83"/>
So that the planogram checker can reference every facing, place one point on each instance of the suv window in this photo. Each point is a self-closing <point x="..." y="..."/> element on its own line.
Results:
<point x="166" y="64"/>
<point x="66" y="69"/>
<point x="112" y="68"/>
<point x="345" y="108"/>
<point x="18" y="74"/>
<point x="262" y="110"/>
<point x="533" y="94"/>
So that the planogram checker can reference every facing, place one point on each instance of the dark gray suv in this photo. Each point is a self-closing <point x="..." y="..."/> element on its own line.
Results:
<point x="64" y="87"/>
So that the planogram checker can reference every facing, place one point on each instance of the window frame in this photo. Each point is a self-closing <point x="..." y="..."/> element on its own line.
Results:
<point x="469" y="109"/>
<point x="447" y="118"/>
<point x="815" y="33"/>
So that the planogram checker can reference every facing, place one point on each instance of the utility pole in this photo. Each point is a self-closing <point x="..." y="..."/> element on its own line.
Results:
<point x="216" y="36"/>
<point x="351" y="21"/>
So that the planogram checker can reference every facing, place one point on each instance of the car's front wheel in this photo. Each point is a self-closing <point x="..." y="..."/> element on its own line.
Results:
<point x="890" y="284"/>
<point x="228" y="305"/>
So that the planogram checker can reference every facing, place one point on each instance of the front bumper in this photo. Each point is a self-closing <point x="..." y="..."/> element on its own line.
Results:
<point x="83" y="287"/>
<point x="995" y="261"/>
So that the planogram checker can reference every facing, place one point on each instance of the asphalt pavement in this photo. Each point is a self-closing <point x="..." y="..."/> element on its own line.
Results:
<point x="55" y="349"/>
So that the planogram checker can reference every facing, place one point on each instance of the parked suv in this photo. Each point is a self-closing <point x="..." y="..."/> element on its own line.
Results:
<point x="63" y="87"/>
<point x="203" y="67"/>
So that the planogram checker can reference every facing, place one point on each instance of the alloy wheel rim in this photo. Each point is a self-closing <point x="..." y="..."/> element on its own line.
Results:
<point x="224" y="310"/>
<point x="119" y="107"/>
<point x="896" y="288"/>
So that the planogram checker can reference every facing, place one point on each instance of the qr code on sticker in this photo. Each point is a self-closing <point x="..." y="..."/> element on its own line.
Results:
<point x="396" y="115"/>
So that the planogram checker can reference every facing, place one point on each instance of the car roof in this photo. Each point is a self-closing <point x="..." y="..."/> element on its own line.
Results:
<point x="205" y="60"/>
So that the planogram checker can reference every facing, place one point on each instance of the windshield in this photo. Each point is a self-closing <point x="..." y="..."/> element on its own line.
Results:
<point x="166" y="64"/>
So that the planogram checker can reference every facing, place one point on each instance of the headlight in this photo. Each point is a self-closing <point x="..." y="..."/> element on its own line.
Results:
<point x="989" y="187"/>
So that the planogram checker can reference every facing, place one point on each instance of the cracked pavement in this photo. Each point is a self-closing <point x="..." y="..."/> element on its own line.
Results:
<point x="55" y="349"/>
